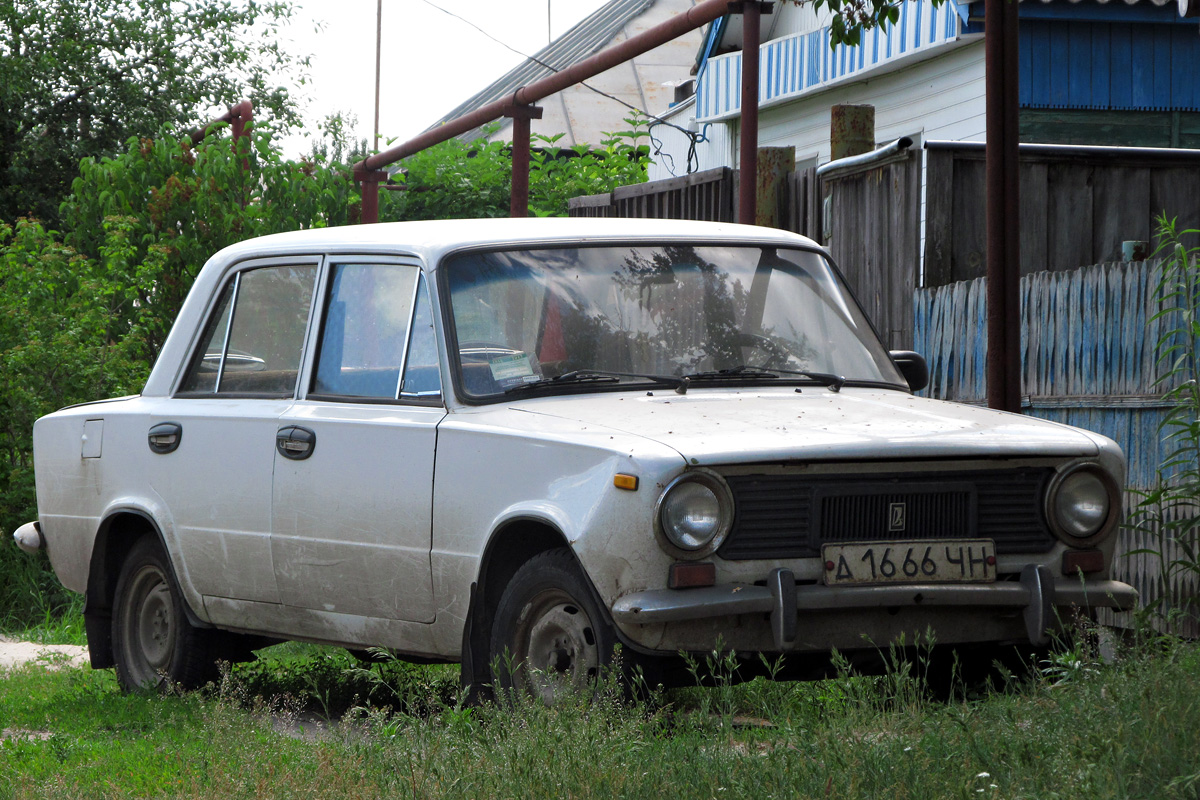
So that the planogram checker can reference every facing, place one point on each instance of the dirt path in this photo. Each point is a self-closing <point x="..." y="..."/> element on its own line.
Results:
<point x="13" y="653"/>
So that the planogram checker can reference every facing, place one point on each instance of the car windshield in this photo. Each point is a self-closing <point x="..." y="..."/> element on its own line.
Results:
<point x="595" y="318"/>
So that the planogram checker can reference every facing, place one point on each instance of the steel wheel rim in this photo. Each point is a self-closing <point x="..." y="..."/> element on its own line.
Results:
<point x="557" y="649"/>
<point x="151" y="625"/>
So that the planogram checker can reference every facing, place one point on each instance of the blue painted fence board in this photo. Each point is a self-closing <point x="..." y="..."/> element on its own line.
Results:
<point x="1088" y="340"/>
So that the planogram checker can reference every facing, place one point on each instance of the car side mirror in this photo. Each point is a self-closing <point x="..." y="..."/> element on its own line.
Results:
<point x="913" y="367"/>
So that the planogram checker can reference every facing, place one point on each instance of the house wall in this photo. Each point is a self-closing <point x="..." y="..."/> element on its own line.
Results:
<point x="669" y="146"/>
<point x="936" y="99"/>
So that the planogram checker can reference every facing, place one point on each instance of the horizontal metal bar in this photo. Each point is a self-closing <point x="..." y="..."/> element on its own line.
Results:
<point x="1059" y="151"/>
<point x="677" y="605"/>
<point x="606" y="59"/>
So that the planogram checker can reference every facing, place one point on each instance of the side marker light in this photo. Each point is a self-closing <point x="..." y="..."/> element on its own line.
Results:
<point x="684" y="575"/>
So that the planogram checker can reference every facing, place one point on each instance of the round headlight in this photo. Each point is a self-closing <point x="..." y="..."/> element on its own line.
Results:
<point x="1081" y="503"/>
<point x="694" y="512"/>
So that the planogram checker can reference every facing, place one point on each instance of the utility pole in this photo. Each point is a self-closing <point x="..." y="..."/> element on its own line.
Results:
<point x="1003" y="205"/>
<point x="378" y="56"/>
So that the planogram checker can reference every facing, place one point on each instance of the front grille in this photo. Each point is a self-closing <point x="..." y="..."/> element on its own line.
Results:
<point x="790" y="516"/>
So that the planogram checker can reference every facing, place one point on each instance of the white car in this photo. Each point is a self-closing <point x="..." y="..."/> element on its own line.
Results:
<point x="524" y="442"/>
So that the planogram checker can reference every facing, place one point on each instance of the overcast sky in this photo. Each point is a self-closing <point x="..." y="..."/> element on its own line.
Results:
<point x="431" y="60"/>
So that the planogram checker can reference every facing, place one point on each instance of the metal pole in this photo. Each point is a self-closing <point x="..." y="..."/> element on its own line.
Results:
<point x="370" y="180"/>
<point x="748" y="163"/>
<point x="1003" y="205"/>
<point x="519" y="198"/>
<point x="378" y="56"/>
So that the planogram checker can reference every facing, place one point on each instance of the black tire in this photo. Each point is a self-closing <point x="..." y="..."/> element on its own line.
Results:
<point x="549" y="635"/>
<point x="154" y="645"/>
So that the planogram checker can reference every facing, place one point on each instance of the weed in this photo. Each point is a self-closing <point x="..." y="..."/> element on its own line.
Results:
<point x="1168" y="514"/>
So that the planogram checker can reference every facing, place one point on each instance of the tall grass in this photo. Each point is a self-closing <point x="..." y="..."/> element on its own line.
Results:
<point x="1118" y="730"/>
<point x="34" y="606"/>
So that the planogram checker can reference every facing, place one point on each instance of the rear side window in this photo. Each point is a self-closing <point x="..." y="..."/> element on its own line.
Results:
<point x="365" y="331"/>
<point x="254" y="340"/>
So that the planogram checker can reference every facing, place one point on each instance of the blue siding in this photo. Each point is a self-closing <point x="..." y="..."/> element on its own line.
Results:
<point x="800" y="63"/>
<point x="1101" y="63"/>
<point x="1143" y="67"/>
<point x="1060" y="56"/>
<point x="1039" y="46"/>
<point x="1183" y="67"/>
<point x="1162" y="67"/>
<point x="1121" y="90"/>
<point x="1079" y="78"/>
<point x="1105" y="65"/>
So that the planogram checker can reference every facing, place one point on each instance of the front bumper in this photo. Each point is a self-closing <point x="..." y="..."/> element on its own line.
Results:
<point x="1037" y="592"/>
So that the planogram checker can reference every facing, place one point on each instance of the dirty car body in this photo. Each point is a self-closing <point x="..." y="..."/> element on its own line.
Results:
<point x="545" y="438"/>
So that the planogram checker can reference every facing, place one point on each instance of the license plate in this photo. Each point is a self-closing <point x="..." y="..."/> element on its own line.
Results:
<point x="921" y="561"/>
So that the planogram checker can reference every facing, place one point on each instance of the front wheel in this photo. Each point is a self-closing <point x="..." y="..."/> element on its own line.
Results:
<point x="549" y="636"/>
<point x="154" y="645"/>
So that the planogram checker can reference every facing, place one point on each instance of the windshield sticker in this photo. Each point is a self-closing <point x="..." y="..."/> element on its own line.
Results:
<point x="514" y="369"/>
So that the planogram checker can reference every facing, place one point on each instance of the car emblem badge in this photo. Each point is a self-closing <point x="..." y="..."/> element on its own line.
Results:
<point x="896" y="514"/>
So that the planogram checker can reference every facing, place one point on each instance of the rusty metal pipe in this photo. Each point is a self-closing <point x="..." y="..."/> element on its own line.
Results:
<point x="518" y="205"/>
<point x="1003" y="206"/>
<point x="238" y="116"/>
<point x="606" y="59"/>
<point x="748" y="134"/>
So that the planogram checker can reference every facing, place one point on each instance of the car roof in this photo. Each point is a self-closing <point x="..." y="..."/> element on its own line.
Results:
<point x="429" y="241"/>
<point x="432" y="238"/>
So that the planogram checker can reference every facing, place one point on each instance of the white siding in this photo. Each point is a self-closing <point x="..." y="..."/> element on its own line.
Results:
<point x="942" y="98"/>
<point x="671" y="144"/>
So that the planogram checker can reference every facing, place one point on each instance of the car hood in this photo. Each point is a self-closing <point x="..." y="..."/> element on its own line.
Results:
<point x="719" y="426"/>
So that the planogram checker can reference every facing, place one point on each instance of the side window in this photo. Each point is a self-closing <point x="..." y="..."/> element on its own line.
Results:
<point x="254" y="341"/>
<point x="366" y="328"/>
<point x="421" y="376"/>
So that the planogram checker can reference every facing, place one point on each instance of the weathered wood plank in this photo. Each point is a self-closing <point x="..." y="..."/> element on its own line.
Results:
<point x="939" y="222"/>
<point x="968" y="218"/>
<point x="1121" y="210"/>
<point x="1035" y="232"/>
<point x="1069" y="206"/>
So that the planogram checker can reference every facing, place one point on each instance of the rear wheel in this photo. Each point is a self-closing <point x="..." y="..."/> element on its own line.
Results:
<point x="154" y="644"/>
<point x="549" y="636"/>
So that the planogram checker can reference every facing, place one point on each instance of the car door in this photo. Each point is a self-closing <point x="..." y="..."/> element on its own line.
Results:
<point x="353" y="486"/>
<point x="213" y="440"/>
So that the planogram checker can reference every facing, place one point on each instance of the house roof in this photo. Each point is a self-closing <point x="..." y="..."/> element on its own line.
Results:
<point x="585" y="38"/>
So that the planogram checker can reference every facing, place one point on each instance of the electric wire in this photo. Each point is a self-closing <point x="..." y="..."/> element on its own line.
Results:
<point x="694" y="138"/>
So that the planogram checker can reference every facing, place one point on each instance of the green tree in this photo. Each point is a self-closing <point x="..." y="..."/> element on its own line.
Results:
<point x="79" y="77"/>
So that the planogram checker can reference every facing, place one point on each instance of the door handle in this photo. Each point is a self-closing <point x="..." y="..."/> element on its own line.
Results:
<point x="295" y="442"/>
<point x="165" y="437"/>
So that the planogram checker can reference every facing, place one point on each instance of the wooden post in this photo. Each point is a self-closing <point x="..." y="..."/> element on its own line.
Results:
<point x="851" y="130"/>
<point x="774" y="165"/>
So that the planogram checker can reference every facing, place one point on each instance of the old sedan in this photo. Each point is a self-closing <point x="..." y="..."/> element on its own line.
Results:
<point x="520" y="443"/>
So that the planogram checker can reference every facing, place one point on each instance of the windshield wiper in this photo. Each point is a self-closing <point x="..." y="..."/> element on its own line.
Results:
<point x="741" y="373"/>
<point x="598" y="376"/>
<point x="834" y="382"/>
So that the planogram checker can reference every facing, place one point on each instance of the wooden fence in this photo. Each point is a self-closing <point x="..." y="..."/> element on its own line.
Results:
<point x="1078" y="204"/>
<point x="709" y="196"/>
<point x="874" y="237"/>
<point x="1088" y="359"/>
